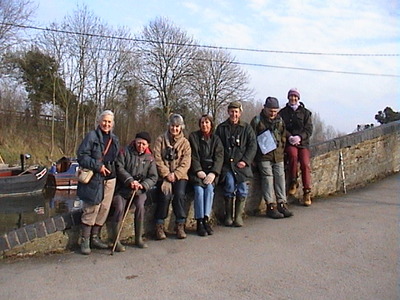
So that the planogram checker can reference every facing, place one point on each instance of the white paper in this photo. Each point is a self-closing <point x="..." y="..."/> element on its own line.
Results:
<point x="266" y="142"/>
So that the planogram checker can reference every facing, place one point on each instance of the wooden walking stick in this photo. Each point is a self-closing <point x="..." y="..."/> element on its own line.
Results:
<point x="122" y="222"/>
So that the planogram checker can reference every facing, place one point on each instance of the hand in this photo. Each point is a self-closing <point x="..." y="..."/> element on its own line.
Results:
<point x="171" y="177"/>
<point x="166" y="187"/>
<point x="209" y="178"/>
<point x="135" y="185"/>
<point x="201" y="174"/>
<point x="295" y="140"/>
<point x="104" y="171"/>
<point x="241" y="164"/>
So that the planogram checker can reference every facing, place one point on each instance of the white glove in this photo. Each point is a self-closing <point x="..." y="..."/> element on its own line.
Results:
<point x="201" y="174"/>
<point x="295" y="140"/>
<point x="209" y="178"/>
<point x="166" y="188"/>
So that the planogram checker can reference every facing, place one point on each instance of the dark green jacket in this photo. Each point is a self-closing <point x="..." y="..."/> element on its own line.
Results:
<point x="207" y="156"/>
<point x="298" y="122"/>
<point x="239" y="145"/>
<point x="261" y="123"/>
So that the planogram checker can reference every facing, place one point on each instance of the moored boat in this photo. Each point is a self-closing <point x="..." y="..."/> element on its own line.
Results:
<point x="14" y="182"/>
<point x="63" y="174"/>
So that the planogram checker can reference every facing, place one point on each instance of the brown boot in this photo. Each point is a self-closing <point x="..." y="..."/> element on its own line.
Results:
<point x="180" y="231"/>
<point x="293" y="187"/>
<point x="307" y="197"/>
<point x="160" y="233"/>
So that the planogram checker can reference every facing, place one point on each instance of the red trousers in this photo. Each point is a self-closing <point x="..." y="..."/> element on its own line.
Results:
<point x="295" y="156"/>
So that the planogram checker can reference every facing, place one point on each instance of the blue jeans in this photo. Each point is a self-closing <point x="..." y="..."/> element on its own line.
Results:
<point x="231" y="188"/>
<point x="272" y="181"/>
<point x="203" y="200"/>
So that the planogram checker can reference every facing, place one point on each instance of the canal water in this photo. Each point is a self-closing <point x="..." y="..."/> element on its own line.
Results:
<point x="16" y="212"/>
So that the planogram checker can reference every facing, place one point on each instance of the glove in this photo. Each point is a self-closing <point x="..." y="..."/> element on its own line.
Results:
<point x="166" y="188"/>
<point x="295" y="140"/>
<point x="201" y="174"/>
<point x="209" y="178"/>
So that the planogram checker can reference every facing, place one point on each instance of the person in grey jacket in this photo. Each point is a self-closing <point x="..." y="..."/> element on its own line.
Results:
<point x="97" y="152"/>
<point x="136" y="172"/>
<point x="240" y="148"/>
<point x="206" y="165"/>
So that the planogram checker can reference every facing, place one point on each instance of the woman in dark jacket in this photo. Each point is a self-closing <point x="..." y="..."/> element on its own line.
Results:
<point x="136" y="172"/>
<point x="97" y="152"/>
<point x="207" y="160"/>
<point x="299" y="128"/>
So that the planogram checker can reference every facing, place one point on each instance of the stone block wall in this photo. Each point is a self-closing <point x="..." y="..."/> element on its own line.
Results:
<point x="367" y="155"/>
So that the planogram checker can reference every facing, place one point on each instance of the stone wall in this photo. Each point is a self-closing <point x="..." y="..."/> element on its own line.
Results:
<point x="367" y="155"/>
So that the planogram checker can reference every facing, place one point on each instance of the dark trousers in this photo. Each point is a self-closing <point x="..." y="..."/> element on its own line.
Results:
<point x="178" y="203"/>
<point x="119" y="204"/>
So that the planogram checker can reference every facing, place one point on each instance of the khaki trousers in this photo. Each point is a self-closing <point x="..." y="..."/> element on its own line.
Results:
<point x="97" y="214"/>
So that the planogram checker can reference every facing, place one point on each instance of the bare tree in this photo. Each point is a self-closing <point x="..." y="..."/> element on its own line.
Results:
<point x="166" y="53"/>
<point x="13" y="14"/>
<point x="321" y="131"/>
<point x="217" y="80"/>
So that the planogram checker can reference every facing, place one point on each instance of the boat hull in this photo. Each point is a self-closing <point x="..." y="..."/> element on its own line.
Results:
<point x="14" y="183"/>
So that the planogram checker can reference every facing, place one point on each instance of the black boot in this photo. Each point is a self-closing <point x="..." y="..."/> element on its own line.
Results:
<point x="228" y="211"/>
<point x="283" y="209"/>
<point x="139" y="230"/>
<point x="201" y="231"/>
<point x="272" y="211"/>
<point x="207" y="226"/>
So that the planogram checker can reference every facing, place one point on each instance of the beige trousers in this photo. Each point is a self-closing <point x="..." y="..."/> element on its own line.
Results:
<point x="97" y="214"/>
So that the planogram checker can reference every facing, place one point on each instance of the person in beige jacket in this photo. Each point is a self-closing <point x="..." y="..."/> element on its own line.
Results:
<point x="172" y="154"/>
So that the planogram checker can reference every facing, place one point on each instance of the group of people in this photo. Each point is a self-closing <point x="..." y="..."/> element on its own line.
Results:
<point x="226" y="154"/>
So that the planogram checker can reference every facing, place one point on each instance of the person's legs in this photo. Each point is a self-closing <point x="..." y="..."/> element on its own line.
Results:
<point x="266" y="177"/>
<point x="138" y="202"/>
<point x="229" y="194"/>
<point x="292" y="158"/>
<point x="240" y="201"/>
<point x="305" y="166"/>
<point x="208" y="199"/>
<point x="161" y="212"/>
<point x="178" y="205"/>
<point x="199" y="202"/>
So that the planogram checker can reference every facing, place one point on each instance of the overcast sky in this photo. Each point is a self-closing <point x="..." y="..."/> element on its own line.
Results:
<point x="311" y="28"/>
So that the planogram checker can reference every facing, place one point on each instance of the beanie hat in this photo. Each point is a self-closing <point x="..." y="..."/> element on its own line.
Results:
<point x="235" y="104"/>
<point x="293" y="91"/>
<point x="271" y="102"/>
<point x="143" y="135"/>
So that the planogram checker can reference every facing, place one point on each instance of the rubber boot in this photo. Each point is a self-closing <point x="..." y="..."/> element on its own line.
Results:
<point x="207" y="226"/>
<point x="95" y="240"/>
<point x="85" y="246"/>
<point x="118" y="247"/>
<point x="228" y="211"/>
<point x="307" y="197"/>
<point x="239" y="210"/>
<point x="283" y="209"/>
<point x="272" y="211"/>
<point x="160" y="233"/>
<point x="201" y="230"/>
<point x="180" y="231"/>
<point x="139" y="229"/>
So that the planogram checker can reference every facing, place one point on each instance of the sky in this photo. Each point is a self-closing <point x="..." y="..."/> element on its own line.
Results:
<point x="313" y="45"/>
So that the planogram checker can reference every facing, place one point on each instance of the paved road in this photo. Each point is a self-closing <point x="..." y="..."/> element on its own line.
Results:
<point x="344" y="247"/>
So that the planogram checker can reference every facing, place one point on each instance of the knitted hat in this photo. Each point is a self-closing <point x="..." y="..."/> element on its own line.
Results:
<point x="235" y="104"/>
<point x="293" y="91"/>
<point x="271" y="102"/>
<point x="143" y="135"/>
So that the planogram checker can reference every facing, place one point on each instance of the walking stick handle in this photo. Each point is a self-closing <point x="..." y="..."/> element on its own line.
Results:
<point x="122" y="223"/>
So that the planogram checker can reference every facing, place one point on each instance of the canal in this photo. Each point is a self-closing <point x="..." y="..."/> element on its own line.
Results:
<point x="19" y="211"/>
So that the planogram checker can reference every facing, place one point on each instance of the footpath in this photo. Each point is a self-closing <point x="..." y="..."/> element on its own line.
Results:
<point x="342" y="247"/>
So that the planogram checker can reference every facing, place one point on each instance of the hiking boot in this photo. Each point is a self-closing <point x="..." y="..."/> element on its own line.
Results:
<point x="239" y="210"/>
<point x="307" y="198"/>
<point x="180" y="231"/>
<point x="207" y="226"/>
<point x="283" y="209"/>
<point x="96" y="242"/>
<point x="160" y="233"/>
<point x="293" y="187"/>
<point x="228" y="211"/>
<point x="85" y="246"/>
<point x="201" y="230"/>
<point x="272" y="211"/>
